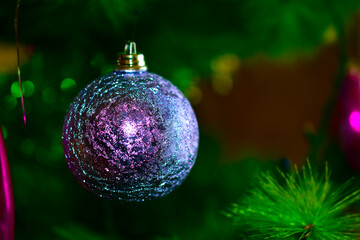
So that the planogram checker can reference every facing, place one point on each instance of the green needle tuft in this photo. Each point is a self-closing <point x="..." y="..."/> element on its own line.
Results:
<point x="299" y="206"/>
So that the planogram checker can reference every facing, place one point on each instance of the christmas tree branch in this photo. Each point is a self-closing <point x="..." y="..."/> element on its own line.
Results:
<point x="320" y="141"/>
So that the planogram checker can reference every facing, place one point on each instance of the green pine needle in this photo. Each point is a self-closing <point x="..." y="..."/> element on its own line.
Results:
<point x="304" y="207"/>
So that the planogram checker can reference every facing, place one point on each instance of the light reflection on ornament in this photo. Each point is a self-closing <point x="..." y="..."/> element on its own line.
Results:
<point x="354" y="120"/>
<point x="129" y="128"/>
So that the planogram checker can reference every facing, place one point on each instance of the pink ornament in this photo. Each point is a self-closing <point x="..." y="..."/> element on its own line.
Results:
<point x="7" y="215"/>
<point x="349" y="118"/>
<point x="354" y="120"/>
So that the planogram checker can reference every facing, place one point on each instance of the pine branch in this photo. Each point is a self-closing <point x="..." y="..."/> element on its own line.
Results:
<point x="305" y="207"/>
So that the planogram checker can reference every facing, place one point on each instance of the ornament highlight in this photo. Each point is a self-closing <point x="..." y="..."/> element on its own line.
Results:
<point x="130" y="135"/>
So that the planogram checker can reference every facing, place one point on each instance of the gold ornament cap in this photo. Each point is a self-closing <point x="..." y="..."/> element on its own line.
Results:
<point x="130" y="61"/>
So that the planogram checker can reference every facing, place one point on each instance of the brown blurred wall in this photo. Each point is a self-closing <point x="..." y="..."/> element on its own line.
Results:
<point x="269" y="107"/>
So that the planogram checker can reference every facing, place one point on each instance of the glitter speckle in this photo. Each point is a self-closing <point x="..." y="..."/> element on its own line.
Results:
<point x="130" y="136"/>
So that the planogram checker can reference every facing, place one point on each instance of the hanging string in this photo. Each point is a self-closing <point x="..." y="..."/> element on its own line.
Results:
<point x="18" y="58"/>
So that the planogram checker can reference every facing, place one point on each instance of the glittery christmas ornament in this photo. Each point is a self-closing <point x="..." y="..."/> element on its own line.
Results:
<point x="130" y="135"/>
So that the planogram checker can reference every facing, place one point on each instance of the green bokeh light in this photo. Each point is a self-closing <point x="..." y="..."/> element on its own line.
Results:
<point x="67" y="84"/>
<point x="15" y="90"/>
<point x="49" y="95"/>
<point x="58" y="153"/>
<point x="27" y="86"/>
<point x="10" y="101"/>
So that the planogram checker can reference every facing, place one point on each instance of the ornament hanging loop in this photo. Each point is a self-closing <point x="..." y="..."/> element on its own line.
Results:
<point x="130" y="61"/>
<point x="130" y="48"/>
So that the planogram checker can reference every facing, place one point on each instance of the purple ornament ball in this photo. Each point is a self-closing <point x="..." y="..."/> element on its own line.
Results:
<point x="131" y="136"/>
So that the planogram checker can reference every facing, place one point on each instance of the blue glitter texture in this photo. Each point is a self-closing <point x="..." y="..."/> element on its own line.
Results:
<point x="131" y="136"/>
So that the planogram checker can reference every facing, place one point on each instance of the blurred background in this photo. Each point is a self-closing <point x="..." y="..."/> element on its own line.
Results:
<point x="271" y="83"/>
